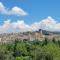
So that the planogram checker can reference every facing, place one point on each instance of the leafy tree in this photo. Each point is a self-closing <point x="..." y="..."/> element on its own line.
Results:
<point x="59" y="42"/>
<point x="53" y="40"/>
<point x="15" y="52"/>
<point x="45" y="42"/>
<point x="30" y="50"/>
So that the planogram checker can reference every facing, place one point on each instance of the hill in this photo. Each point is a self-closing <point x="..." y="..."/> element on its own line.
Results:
<point x="36" y="35"/>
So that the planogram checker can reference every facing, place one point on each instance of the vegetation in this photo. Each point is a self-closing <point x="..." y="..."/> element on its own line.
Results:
<point x="31" y="50"/>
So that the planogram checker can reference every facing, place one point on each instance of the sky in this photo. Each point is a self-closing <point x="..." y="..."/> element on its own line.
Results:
<point x="29" y="15"/>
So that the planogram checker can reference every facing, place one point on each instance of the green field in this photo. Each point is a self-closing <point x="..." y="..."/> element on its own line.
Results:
<point x="31" y="50"/>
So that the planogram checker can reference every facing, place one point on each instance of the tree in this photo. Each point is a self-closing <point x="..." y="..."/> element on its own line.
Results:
<point x="45" y="42"/>
<point x="59" y="42"/>
<point x="53" y="40"/>
<point x="15" y="44"/>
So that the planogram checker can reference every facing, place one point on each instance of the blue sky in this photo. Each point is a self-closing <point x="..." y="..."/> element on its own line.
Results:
<point x="36" y="10"/>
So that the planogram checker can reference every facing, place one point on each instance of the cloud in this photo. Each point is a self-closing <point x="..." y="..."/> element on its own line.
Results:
<point x="5" y="26"/>
<point x="13" y="26"/>
<point x="17" y="11"/>
<point x="48" y="23"/>
<point x="2" y="8"/>
<point x="21" y="25"/>
<point x="13" y="11"/>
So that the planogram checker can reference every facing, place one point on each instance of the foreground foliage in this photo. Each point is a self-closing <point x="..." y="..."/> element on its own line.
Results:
<point x="30" y="50"/>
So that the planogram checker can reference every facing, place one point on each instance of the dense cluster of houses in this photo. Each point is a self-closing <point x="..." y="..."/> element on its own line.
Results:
<point x="11" y="37"/>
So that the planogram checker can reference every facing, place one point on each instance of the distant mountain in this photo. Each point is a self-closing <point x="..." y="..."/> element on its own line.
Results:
<point x="45" y="32"/>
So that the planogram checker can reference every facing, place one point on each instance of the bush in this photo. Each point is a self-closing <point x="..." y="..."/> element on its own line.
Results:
<point x="32" y="50"/>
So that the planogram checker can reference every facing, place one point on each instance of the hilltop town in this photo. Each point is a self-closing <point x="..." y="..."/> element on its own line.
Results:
<point x="36" y="35"/>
